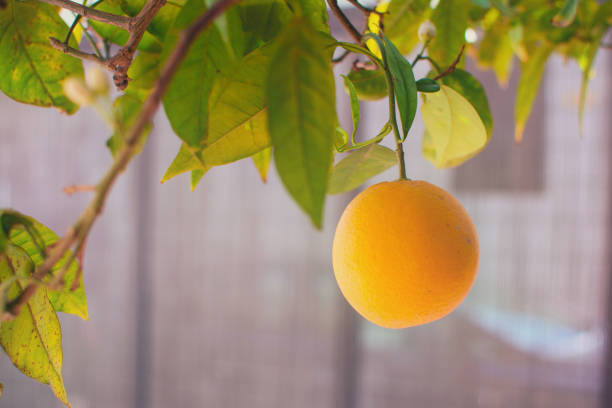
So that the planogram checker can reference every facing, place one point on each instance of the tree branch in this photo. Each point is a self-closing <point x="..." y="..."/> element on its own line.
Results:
<point x="335" y="8"/>
<point x="88" y="12"/>
<point x="66" y="49"/>
<point x="77" y="234"/>
<point x="452" y="66"/>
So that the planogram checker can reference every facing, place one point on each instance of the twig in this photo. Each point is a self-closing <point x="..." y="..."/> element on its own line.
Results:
<point x="78" y="188"/>
<point x="78" y="233"/>
<point x="88" y="12"/>
<point x="452" y="66"/>
<point x="365" y="10"/>
<point x="335" y="8"/>
<point x="341" y="57"/>
<point x="66" y="49"/>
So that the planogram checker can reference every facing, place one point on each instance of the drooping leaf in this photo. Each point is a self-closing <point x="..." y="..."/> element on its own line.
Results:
<point x="451" y="20"/>
<point x="471" y="89"/>
<point x="355" y="112"/>
<point x="186" y="100"/>
<point x="32" y="70"/>
<point x="496" y="50"/>
<point x="33" y="339"/>
<point x="118" y="35"/>
<point x="454" y="131"/>
<point x="370" y="84"/>
<point x="359" y="166"/>
<point x="404" y="85"/>
<point x="33" y="238"/>
<point x="126" y="109"/>
<point x="302" y="115"/>
<point x="531" y="73"/>
<point x="185" y="160"/>
<point x="261" y="160"/>
<point x="567" y="14"/>
<point x="238" y="111"/>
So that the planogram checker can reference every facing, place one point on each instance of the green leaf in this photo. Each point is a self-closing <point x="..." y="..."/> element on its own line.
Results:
<point x="196" y="176"/>
<point x="263" y="20"/>
<point x="355" y="113"/>
<point x="531" y="73"/>
<point x="261" y="160"/>
<point x="186" y="100"/>
<point x="126" y="110"/>
<point x="359" y="166"/>
<point x="32" y="70"/>
<point x="451" y="20"/>
<point x="32" y="238"/>
<point x="185" y="160"/>
<point x="238" y="111"/>
<point x="369" y="84"/>
<point x="144" y="72"/>
<point x="470" y="88"/>
<point x="496" y="51"/>
<point x="567" y="14"/>
<point x="118" y="35"/>
<point x="427" y="85"/>
<point x="454" y="131"/>
<point x="404" y="85"/>
<point x="341" y="139"/>
<point x="302" y="115"/>
<point x="315" y="11"/>
<point x="32" y="340"/>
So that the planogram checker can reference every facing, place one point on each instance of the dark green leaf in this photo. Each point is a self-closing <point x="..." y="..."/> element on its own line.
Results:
<point x="263" y="20"/>
<point x="531" y="73"/>
<point x="427" y="85"/>
<point x="32" y="70"/>
<point x="404" y="85"/>
<point x="567" y="14"/>
<point x="32" y="340"/>
<point x="186" y="100"/>
<point x="359" y="166"/>
<point x="302" y="115"/>
<point x="471" y="89"/>
<point x="370" y="84"/>
<point x="355" y="112"/>
<point x="451" y="20"/>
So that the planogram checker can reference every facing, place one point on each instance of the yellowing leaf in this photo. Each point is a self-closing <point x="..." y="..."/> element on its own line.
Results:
<point x="261" y="160"/>
<point x="33" y="340"/>
<point x="185" y="160"/>
<point x="359" y="166"/>
<point x="454" y="130"/>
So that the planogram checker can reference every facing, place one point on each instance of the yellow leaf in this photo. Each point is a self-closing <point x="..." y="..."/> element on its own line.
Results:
<point x="454" y="130"/>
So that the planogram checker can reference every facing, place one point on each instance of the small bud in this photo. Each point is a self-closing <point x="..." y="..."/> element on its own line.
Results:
<point x="77" y="92"/>
<point x="96" y="79"/>
<point x="427" y="31"/>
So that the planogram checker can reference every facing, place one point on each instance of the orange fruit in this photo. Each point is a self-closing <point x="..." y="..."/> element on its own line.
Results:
<point x="405" y="253"/>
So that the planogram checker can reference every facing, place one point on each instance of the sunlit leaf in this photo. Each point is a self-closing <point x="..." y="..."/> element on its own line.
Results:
<point x="31" y="70"/>
<point x="471" y="89"/>
<point x="531" y="73"/>
<point x="238" y="111"/>
<point x="33" y="339"/>
<point x="451" y="19"/>
<point x="261" y="160"/>
<point x="496" y="51"/>
<point x="401" y="19"/>
<point x="185" y="160"/>
<point x="196" y="176"/>
<point x="404" y="85"/>
<point x="302" y="115"/>
<point x="359" y="166"/>
<point x="454" y="130"/>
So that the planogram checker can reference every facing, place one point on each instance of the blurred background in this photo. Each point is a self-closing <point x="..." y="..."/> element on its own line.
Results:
<point x="225" y="296"/>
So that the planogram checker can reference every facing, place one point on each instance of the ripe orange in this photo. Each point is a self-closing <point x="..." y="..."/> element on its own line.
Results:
<point x="405" y="253"/>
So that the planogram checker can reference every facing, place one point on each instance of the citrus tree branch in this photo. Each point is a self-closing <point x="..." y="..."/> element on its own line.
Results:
<point x="77" y="234"/>
<point x="350" y="28"/>
<point x="88" y="12"/>
<point x="452" y="66"/>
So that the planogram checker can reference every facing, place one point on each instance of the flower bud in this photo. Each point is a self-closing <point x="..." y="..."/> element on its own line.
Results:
<point x="76" y="90"/>
<point x="96" y="79"/>
<point x="427" y="31"/>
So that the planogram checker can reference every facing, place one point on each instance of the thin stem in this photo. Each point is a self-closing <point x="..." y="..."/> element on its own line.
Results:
<point x="88" y="12"/>
<point x="72" y="27"/>
<point x="93" y="44"/>
<point x="341" y="57"/>
<point x="420" y="54"/>
<point x="399" y="148"/>
<point x="66" y="49"/>
<point x="452" y="66"/>
<point x="350" y="28"/>
<point x="79" y="232"/>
